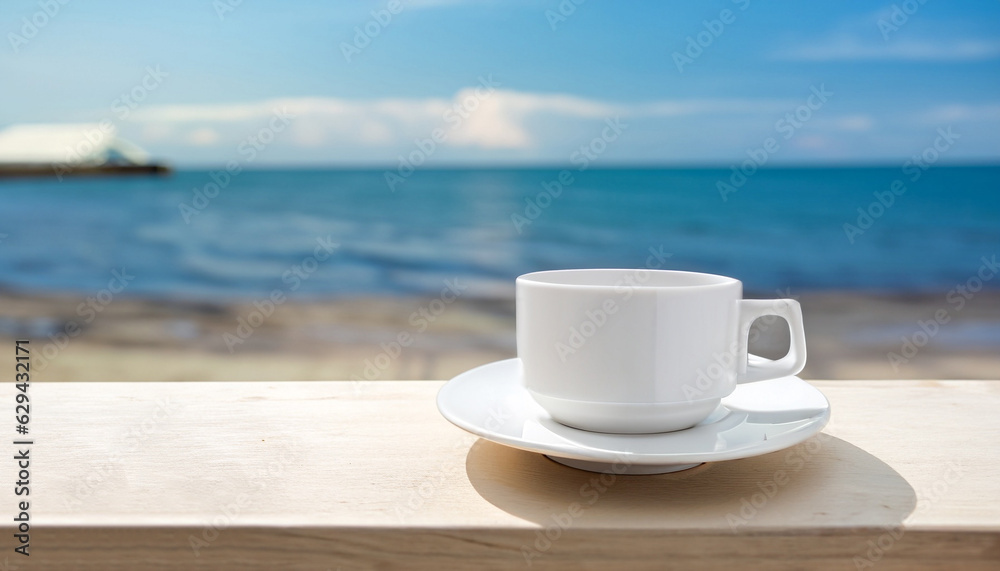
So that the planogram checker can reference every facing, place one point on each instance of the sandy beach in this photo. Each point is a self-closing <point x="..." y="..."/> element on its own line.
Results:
<point x="849" y="336"/>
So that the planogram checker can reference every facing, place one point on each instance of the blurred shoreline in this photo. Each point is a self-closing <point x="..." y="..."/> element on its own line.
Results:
<point x="849" y="335"/>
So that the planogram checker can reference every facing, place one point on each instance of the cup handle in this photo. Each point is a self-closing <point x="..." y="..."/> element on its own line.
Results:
<point x="753" y="368"/>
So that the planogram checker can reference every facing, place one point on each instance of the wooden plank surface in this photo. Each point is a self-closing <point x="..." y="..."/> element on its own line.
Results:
<point x="340" y="475"/>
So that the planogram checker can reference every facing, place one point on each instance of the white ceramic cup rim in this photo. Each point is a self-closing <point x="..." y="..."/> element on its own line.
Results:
<point x="594" y="278"/>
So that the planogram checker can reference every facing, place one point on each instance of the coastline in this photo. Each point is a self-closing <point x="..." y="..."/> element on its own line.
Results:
<point x="850" y="335"/>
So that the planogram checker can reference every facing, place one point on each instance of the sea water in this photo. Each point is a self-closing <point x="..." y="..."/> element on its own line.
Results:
<point x="208" y="235"/>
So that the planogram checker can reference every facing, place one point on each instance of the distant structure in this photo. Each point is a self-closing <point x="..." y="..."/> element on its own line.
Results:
<point x="71" y="150"/>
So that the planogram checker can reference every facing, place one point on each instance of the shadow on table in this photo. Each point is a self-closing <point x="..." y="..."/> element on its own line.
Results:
<point x="824" y="481"/>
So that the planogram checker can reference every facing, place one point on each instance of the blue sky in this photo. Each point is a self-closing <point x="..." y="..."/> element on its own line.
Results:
<point x="211" y="79"/>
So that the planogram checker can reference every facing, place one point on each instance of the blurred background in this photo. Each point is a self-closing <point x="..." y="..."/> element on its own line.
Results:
<point x="228" y="190"/>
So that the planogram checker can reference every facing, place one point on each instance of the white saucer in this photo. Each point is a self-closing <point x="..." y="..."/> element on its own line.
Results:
<point x="758" y="418"/>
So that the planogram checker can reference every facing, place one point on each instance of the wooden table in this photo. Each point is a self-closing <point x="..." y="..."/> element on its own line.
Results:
<point x="340" y="475"/>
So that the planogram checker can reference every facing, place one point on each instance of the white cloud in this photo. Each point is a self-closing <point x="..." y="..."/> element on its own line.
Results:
<point x="849" y="48"/>
<point x="375" y="133"/>
<point x="203" y="137"/>
<point x="501" y="119"/>
<point x="689" y="107"/>
<point x="517" y="127"/>
<point x="858" y="123"/>
<point x="156" y="132"/>
<point x="883" y="36"/>
<point x="954" y="112"/>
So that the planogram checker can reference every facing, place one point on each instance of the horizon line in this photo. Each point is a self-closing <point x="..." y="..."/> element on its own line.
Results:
<point x="575" y="168"/>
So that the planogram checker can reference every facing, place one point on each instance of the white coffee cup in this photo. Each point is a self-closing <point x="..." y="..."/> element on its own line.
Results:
<point x="642" y="351"/>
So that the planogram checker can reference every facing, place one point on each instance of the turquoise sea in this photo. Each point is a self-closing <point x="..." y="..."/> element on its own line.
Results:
<point x="197" y="235"/>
